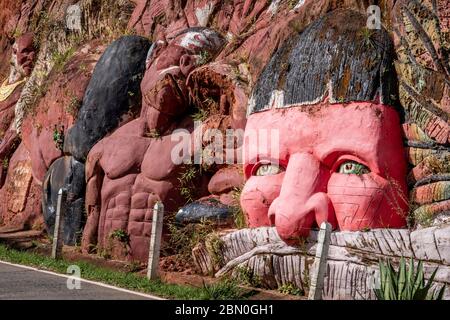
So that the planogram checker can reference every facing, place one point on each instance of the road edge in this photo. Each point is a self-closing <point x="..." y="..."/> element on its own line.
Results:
<point x="100" y="284"/>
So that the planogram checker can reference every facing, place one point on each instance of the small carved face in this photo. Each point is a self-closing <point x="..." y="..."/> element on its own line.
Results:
<point x="341" y="163"/>
<point x="23" y="55"/>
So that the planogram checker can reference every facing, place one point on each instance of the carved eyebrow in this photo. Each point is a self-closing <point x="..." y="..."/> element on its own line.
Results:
<point x="330" y="158"/>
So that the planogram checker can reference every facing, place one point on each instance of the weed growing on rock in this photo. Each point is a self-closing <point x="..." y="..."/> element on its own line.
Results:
<point x="240" y="220"/>
<point x="290" y="288"/>
<point x="184" y="238"/>
<point x="214" y="244"/>
<point x="203" y="58"/>
<point x="61" y="58"/>
<point x="187" y="179"/>
<point x="120" y="235"/>
<point x="246" y="276"/>
<point x="5" y="163"/>
<point x="73" y="106"/>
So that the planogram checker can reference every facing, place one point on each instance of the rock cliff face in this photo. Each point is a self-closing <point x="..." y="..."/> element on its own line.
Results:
<point x="110" y="83"/>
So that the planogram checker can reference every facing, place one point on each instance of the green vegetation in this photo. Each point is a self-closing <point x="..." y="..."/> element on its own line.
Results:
<point x="203" y="58"/>
<point x="223" y="290"/>
<point x="214" y="245"/>
<point x="421" y="217"/>
<point x="153" y="134"/>
<point x="5" y="163"/>
<point x="292" y="4"/>
<point x="406" y="283"/>
<point x="120" y="235"/>
<point x="184" y="238"/>
<point x="289" y="288"/>
<point x="73" y="106"/>
<point x="199" y="114"/>
<point x="58" y="137"/>
<point x="61" y="58"/>
<point x="240" y="220"/>
<point x="120" y="279"/>
<point x="247" y="277"/>
<point x="368" y="37"/>
<point x="187" y="179"/>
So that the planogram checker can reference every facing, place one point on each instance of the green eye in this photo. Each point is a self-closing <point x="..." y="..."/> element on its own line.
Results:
<point x="268" y="170"/>
<point x="353" y="167"/>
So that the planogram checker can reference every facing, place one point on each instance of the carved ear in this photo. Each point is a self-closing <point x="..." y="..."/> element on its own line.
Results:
<point x="221" y="89"/>
<point x="187" y="64"/>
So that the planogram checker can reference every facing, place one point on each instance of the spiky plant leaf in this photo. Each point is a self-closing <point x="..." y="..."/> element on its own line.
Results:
<point x="419" y="280"/>
<point x="406" y="284"/>
<point x="401" y="278"/>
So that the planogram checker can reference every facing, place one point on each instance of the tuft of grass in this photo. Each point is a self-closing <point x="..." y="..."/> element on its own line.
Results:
<point x="187" y="182"/>
<point x="73" y="106"/>
<point x="61" y="58"/>
<point x="89" y="271"/>
<point x="368" y="37"/>
<point x="292" y="4"/>
<point x="222" y="290"/>
<point x="240" y="220"/>
<point x="200" y="114"/>
<point x="153" y="134"/>
<point x="214" y="245"/>
<point x="184" y="238"/>
<point x="246" y="277"/>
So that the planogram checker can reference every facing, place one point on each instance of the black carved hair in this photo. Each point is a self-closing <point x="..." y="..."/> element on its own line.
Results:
<point x="336" y="56"/>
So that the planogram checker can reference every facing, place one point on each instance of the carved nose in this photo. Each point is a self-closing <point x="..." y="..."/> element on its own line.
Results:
<point x="302" y="200"/>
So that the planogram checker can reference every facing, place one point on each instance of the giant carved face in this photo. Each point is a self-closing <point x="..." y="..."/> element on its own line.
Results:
<point x="323" y="139"/>
<point x="22" y="57"/>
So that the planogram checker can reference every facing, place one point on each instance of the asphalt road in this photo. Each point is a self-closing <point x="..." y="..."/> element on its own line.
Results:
<point x="19" y="283"/>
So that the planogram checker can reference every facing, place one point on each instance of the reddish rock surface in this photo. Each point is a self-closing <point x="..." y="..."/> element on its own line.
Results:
<point x="424" y="87"/>
<point x="59" y="107"/>
<point x="20" y="197"/>
<point x="130" y="169"/>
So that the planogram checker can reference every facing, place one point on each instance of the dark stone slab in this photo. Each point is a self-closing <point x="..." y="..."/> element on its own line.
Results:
<point x="65" y="173"/>
<point x="113" y="91"/>
<point x="210" y="209"/>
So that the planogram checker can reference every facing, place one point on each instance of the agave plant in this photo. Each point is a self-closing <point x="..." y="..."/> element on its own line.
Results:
<point x="406" y="283"/>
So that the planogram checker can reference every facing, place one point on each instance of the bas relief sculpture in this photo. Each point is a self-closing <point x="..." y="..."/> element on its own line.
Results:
<point x="129" y="171"/>
<point x="331" y="94"/>
<point x="21" y="62"/>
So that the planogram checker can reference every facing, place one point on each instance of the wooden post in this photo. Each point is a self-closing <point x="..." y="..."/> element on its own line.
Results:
<point x="59" y="224"/>
<point x="155" y="241"/>
<point x="320" y="262"/>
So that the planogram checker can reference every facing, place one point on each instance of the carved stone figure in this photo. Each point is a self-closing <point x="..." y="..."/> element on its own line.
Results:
<point x="22" y="58"/>
<point x="130" y="170"/>
<point x="330" y="95"/>
<point x="112" y="98"/>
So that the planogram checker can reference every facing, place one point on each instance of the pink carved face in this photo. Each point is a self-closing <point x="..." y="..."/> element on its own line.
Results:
<point x="341" y="163"/>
